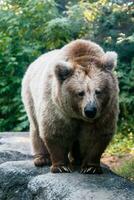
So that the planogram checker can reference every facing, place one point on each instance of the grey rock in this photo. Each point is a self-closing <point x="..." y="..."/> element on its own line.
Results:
<point x="77" y="186"/>
<point x="21" y="180"/>
<point x="15" y="178"/>
<point x="14" y="146"/>
<point x="19" y="142"/>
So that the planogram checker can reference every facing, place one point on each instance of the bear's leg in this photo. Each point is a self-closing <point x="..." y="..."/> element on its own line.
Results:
<point x="41" y="155"/>
<point x="59" y="157"/>
<point x="74" y="154"/>
<point x="94" y="149"/>
<point x="91" y="162"/>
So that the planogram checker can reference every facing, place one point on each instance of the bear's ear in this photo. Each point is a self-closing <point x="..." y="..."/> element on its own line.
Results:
<point x="109" y="60"/>
<point x="63" y="70"/>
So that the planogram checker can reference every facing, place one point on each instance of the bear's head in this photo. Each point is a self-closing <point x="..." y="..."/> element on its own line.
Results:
<point x="85" y="86"/>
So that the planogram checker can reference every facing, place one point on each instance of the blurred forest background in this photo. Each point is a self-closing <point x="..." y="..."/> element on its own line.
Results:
<point x="29" y="28"/>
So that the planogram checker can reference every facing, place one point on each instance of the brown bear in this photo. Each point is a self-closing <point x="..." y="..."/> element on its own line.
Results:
<point x="71" y="99"/>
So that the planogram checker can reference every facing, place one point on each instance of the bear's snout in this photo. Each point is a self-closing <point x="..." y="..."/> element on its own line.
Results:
<point x="90" y="110"/>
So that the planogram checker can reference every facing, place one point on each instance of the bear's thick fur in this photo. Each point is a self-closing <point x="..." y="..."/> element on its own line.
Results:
<point x="71" y="99"/>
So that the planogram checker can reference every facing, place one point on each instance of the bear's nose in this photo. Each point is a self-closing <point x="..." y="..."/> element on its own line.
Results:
<point x="90" y="111"/>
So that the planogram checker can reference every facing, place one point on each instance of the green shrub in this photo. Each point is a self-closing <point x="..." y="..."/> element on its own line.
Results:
<point x="22" y="40"/>
<point x="126" y="170"/>
<point x="121" y="144"/>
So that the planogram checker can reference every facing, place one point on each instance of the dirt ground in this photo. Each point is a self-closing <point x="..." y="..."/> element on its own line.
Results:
<point x="115" y="161"/>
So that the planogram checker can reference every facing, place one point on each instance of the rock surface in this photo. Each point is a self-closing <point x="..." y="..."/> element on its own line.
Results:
<point x="21" y="180"/>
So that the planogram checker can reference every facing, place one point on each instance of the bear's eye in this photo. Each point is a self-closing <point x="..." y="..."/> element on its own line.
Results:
<point x="98" y="92"/>
<point x="81" y="93"/>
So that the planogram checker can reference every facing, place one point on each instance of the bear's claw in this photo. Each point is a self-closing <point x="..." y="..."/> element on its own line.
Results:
<point x="91" y="170"/>
<point x="61" y="169"/>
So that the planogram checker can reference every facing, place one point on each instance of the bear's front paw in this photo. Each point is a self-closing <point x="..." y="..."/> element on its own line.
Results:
<point x="41" y="160"/>
<point x="91" y="170"/>
<point x="60" y="169"/>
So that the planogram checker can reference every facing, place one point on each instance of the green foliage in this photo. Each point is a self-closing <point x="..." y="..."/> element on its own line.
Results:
<point x="21" y="39"/>
<point x="121" y="144"/>
<point x="29" y="28"/>
<point x="126" y="170"/>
